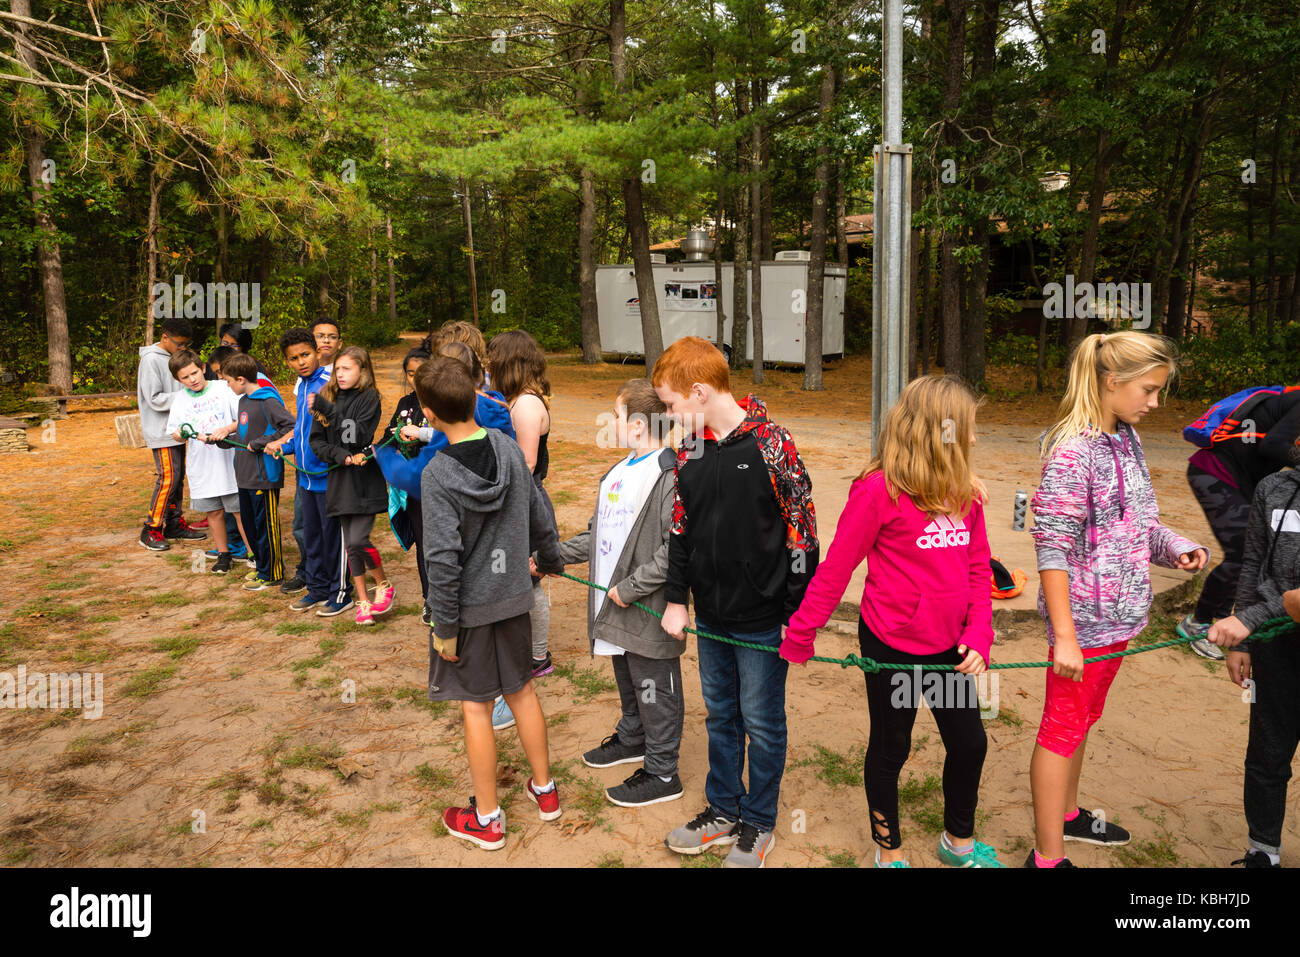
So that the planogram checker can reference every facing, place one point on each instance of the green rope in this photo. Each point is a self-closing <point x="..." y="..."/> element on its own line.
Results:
<point x="187" y="432"/>
<point x="1267" y="631"/>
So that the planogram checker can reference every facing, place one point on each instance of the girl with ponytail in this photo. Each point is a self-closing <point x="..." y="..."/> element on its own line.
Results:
<point x="1096" y="530"/>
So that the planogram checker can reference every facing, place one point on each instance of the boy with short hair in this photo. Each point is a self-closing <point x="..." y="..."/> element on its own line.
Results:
<point x="329" y="340"/>
<point x="320" y="539"/>
<point x="483" y="516"/>
<point x="744" y="544"/>
<point x="262" y="418"/>
<point x="156" y="389"/>
<point x="626" y="544"/>
<point x="206" y="407"/>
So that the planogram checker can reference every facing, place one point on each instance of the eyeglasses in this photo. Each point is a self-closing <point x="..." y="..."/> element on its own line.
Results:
<point x="327" y="338"/>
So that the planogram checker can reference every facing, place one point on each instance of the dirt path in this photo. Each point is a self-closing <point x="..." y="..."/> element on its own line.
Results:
<point x="223" y="702"/>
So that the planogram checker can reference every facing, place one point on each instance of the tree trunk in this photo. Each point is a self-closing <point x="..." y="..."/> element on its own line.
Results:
<point x="392" y="274"/>
<point x="977" y="306"/>
<point x="841" y="231"/>
<point x="374" y="278"/>
<point x="587" y="270"/>
<point x="58" y="346"/>
<point x="469" y="249"/>
<point x="924" y="318"/>
<point x="812" y="331"/>
<point x="220" y="269"/>
<point x="638" y="233"/>
<point x="949" y="291"/>
<point x="156" y="184"/>
<point x="769" y="252"/>
<point x="718" y="307"/>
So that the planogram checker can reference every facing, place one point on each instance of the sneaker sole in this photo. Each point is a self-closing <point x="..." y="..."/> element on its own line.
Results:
<point x="293" y="591"/>
<point x="1099" y="843"/>
<point x="301" y="609"/>
<point x="331" y="613"/>
<point x="544" y="815"/>
<point x="659" y="800"/>
<point x="613" y="764"/>
<point x="544" y="672"/>
<point x="1207" y="656"/>
<point x="152" y="548"/>
<point x="504" y="727"/>
<point x="486" y="845"/>
<point x="722" y="840"/>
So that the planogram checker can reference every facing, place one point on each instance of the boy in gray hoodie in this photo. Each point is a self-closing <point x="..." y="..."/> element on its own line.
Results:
<point x="156" y="389"/>
<point x="482" y="517"/>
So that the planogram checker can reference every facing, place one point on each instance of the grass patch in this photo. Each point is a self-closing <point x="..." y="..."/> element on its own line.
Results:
<point x="176" y="646"/>
<point x="361" y="818"/>
<point x="435" y="779"/>
<point x="328" y="648"/>
<point x="170" y="599"/>
<point x="142" y="684"/>
<point x="413" y="608"/>
<point x="921" y="799"/>
<point x="704" y="859"/>
<point x="312" y="757"/>
<point x="586" y="682"/>
<point x="296" y="628"/>
<point x="611" y="860"/>
<point x="833" y="768"/>
<point x="582" y="793"/>
<point x="837" y="858"/>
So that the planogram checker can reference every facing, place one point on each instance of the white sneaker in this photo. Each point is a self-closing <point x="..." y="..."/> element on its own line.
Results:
<point x="1197" y="631"/>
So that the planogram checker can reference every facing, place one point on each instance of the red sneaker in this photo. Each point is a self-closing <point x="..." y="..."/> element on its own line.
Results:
<point x="548" y="804"/>
<point x="201" y="523"/>
<point x="463" y="822"/>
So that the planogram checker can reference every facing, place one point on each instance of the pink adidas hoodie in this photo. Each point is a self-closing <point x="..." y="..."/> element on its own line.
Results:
<point x="927" y="588"/>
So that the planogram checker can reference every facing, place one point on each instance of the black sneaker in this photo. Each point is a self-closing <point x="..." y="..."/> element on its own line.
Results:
<point x="181" y="531"/>
<point x="612" y="751"/>
<point x="1256" y="858"/>
<point x="223" y="564"/>
<point x="642" y="789"/>
<point x="1030" y="862"/>
<point x="294" y="585"/>
<point x="426" y="617"/>
<point x="1090" y="829"/>
<point x="153" y="540"/>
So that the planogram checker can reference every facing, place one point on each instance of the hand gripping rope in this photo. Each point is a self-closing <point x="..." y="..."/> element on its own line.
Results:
<point x="187" y="432"/>
<point x="1267" y="631"/>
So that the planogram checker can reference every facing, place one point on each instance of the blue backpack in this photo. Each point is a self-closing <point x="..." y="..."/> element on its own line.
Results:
<point x="1222" y="420"/>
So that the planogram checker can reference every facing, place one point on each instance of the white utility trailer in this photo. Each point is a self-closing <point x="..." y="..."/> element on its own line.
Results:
<point x="687" y="297"/>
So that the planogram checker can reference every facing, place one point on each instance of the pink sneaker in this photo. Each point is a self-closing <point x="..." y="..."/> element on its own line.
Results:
<point x="384" y="594"/>
<point x="363" y="613"/>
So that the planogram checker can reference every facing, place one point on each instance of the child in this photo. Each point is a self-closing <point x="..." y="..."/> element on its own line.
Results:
<point x="347" y="413"/>
<point x="626" y="544"/>
<point x="236" y="337"/>
<point x="403" y="468"/>
<point x="916" y="516"/>
<point x="262" y="419"/>
<point x="1270" y="571"/>
<point x="205" y="407"/>
<point x="213" y="374"/>
<point x="404" y="513"/>
<point x="519" y="371"/>
<point x="328" y="341"/>
<point x="156" y="390"/>
<point x="463" y="332"/>
<point x="323" y="574"/>
<point x="744" y="544"/>
<point x="483" y="516"/>
<point x="1096" y="530"/>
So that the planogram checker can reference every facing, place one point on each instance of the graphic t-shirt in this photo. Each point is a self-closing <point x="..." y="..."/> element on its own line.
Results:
<point x="623" y="492"/>
<point x="209" y="469"/>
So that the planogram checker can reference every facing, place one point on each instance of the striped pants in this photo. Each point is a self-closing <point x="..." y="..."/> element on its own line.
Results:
<point x="165" y="505"/>
<point x="259" y="508"/>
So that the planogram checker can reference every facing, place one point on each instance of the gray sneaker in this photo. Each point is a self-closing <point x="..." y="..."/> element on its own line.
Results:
<point x="704" y="831"/>
<point x="1197" y="631"/>
<point x="751" y="848"/>
<point x="613" y="751"/>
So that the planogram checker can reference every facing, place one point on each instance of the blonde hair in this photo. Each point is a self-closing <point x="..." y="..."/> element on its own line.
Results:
<point x="1127" y="355"/>
<point x="924" y="446"/>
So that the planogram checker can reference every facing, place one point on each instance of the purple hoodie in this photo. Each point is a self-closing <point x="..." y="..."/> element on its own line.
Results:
<point x="1095" y="518"/>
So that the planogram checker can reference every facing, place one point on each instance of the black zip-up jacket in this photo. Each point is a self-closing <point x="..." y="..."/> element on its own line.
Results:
<point x="353" y="417"/>
<point x="1270" y="563"/>
<point x="262" y="419"/>
<point x="745" y="563"/>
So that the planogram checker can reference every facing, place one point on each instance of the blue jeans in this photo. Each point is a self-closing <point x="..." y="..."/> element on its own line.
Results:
<point x="744" y="692"/>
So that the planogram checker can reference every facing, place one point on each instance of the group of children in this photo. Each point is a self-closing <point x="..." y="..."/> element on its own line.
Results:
<point x="726" y="521"/>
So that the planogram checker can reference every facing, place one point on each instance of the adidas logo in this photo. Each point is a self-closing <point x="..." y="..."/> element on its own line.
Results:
<point x="942" y="532"/>
<point x="1288" y="521"/>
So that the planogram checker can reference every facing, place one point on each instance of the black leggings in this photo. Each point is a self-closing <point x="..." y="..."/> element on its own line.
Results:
<point x="892" y="701"/>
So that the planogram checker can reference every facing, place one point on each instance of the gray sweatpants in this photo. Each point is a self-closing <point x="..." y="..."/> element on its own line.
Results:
<point x="650" y="690"/>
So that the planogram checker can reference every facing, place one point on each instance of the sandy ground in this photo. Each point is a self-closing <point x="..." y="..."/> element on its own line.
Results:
<point x="226" y="738"/>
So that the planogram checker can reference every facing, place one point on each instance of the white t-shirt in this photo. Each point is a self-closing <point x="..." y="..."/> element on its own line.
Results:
<point x="209" y="469"/>
<point x="622" y="494"/>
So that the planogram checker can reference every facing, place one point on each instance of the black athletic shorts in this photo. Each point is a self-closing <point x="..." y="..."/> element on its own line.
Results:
<point x="493" y="660"/>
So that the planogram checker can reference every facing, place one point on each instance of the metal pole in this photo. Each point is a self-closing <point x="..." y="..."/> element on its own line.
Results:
<point x="892" y="230"/>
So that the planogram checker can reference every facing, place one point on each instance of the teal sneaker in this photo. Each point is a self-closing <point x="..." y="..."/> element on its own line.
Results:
<point x="981" y="855"/>
<point x="902" y="863"/>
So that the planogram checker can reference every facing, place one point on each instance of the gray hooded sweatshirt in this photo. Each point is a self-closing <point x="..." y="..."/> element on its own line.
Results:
<point x="155" y="390"/>
<point x="1270" y="562"/>
<point x="478" y="533"/>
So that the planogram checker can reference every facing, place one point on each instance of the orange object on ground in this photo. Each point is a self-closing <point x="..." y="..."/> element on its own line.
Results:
<point x="1006" y="583"/>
